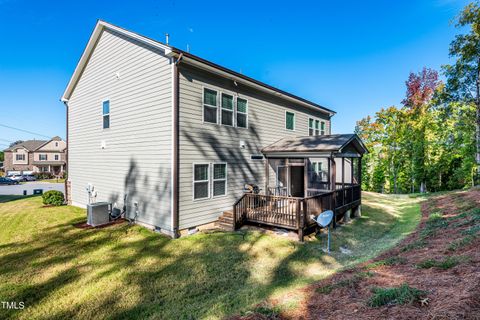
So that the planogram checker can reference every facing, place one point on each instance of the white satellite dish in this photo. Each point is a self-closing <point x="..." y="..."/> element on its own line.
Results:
<point x="324" y="219"/>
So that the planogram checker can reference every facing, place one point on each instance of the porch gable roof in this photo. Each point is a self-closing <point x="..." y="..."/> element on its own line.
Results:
<point x="334" y="144"/>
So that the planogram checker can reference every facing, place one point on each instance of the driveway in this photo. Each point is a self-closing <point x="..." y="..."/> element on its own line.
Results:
<point x="29" y="186"/>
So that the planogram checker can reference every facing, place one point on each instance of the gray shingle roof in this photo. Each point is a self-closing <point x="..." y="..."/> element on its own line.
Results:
<point x="325" y="143"/>
<point x="30" y="145"/>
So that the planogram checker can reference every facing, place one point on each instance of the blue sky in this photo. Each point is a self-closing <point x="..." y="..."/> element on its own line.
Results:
<point x="353" y="56"/>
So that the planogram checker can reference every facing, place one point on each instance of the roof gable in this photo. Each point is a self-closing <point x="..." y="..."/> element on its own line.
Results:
<point x="335" y="143"/>
<point x="187" y="57"/>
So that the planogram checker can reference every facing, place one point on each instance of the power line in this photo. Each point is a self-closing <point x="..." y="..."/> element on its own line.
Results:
<point x="26" y="131"/>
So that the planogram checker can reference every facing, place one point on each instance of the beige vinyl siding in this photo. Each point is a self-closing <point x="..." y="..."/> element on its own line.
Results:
<point x="136" y="159"/>
<point x="206" y="142"/>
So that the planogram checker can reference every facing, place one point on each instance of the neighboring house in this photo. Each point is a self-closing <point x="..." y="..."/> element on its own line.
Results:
<point x="179" y="136"/>
<point x="36" y="156"/>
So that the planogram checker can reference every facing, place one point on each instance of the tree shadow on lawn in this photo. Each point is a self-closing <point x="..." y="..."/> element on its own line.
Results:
<point x="129" y="272"/>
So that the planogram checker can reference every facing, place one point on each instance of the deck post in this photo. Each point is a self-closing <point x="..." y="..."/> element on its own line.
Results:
<point x="334" y="188"/>
<point x="305" y="177"/>
<point x="267" y="173"/>
<point x="343" y="181"/>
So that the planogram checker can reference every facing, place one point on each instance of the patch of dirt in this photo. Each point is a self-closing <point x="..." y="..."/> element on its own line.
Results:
<point x="453" y="292"/>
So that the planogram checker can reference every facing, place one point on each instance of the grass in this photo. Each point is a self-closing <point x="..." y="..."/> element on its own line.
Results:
<point x="60" y="271"/>
<point x="397" y="295"/>
<point x="444" y="264"/>
<point x="421" y="243"/>
<point x="434" y="222"/>
<point x="391" y="261"/>
<point x="348" y="282"/>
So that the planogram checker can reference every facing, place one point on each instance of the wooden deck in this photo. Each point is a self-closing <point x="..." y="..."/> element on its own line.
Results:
<point x="294" y="213"/>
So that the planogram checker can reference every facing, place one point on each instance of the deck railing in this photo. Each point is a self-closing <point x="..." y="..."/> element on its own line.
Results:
<point x="291" y="212"/>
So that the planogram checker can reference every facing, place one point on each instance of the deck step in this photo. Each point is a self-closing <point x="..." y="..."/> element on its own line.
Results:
<point x="228" y="214"/>
<point x="226" y="221"/>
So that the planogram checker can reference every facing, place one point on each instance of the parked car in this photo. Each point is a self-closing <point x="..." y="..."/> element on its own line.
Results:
<point x="7" y="181"/>
<point x="29" y="177"/>
<point x="17" y="177"/>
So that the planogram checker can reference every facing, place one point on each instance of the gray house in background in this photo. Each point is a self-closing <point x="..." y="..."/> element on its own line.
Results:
<point x="178" y="137"/>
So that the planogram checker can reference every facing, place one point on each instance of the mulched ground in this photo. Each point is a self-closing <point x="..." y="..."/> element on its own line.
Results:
<point x="452" y="293"/>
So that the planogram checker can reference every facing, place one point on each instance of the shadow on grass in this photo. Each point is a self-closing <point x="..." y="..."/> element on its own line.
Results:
<point x="127" y="272"/>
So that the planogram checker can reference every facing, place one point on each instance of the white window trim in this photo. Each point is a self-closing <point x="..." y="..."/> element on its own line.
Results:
<point x="103" y="115"/>
<point x="234" y="102"/>
<point x="237" y="112"/>
<point x="226" y="180"/>
<point x="56" y="157"/>
<point x="320" y="121"/>
<point x="208" y="180"/>
<point x="42" y="154"/>
<point x="20" y="154"/>
<point x="294" y="120"/>
<point x="205" y="104"/>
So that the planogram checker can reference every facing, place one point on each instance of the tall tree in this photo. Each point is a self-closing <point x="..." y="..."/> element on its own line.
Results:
<point x="463" y="77"/>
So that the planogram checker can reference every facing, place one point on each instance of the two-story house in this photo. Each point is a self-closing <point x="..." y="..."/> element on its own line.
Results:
<point x="178" y="136"/>
<point x="36" y="156"/>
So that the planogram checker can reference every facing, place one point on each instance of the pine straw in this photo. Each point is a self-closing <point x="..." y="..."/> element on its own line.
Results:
<point x="453" y="293"/>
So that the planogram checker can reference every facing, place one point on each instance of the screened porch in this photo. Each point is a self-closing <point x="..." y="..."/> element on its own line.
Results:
<point x="304" y="177"/>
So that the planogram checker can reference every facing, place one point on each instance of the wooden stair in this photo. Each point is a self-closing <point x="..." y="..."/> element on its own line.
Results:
<point x="225" y="221"/>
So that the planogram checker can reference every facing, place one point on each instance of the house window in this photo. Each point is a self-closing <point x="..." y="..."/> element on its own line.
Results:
<point x="242" y="113"/>
<point x="42" y="157"/>
<point x="313" y="127"/>
<point x="210" y="106"/>
<point x="322" y="128"/>
<point x="289" y="120"/>
<point x="20" y="157"/>
<point x="201" y="181"/>
<point x="56" y="157"/>
<point x="227" y="109"/>
<point x="56" y="144"/>
<point x="43" y="169"/>
<point x="256" y="157"/>
<point x="219" y="179"/>
<point x="106" y="114"/>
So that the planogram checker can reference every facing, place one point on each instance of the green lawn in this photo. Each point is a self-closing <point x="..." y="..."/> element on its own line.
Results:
<point x="62" y="272"/>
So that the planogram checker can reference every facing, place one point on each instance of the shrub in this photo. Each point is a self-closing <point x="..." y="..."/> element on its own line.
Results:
<point x="43" y="175"/>
<point x="53" y="197"/>
<point x="397" y="295"/>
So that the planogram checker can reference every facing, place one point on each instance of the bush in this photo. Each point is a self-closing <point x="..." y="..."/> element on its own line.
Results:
<point x="398" y="295"/>
<point x="53" y="197"/>
<point x="43" y="175"/>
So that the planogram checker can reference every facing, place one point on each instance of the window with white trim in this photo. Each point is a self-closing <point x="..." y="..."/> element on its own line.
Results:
<point x="56" y="157"/>
<point x="106" y="114"/>
<point x="42" y="157"/>
<point x="210" y="106"/>
<point x="20" y="157"/>
<point x="314" y="126"/>
<point x="242" y="113"/>
<point x="201" y="181"/>
<point x="219" y="179"/>
<point x="289" y="120"/>
<point x="322" y="128"/>
<point x="227" y="109"/>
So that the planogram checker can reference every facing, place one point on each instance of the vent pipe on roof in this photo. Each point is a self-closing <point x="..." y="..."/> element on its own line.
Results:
<point x="166" y="38"/>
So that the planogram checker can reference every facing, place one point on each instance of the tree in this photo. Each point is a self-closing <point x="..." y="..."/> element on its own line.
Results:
<point x="15" y="142"/>
<point x="463" y="77"/>
<point x="2" y="157"/>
